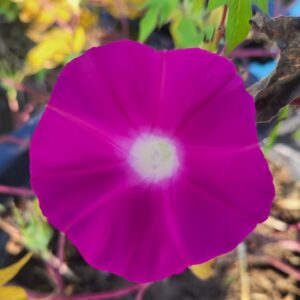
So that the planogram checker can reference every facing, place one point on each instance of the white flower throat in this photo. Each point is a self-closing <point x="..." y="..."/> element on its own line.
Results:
<point x="154" y="158"/>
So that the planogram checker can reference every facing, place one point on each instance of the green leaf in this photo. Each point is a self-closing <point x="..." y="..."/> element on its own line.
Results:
<point x="240" y="12"/>
<point x="35" y="230"/>
<point x="12" y="293"/>
<point x="283" y="114"/>
<point x="212" y="4"/>
<point x="185" y="33"/>
<point x="209" y="31"/>
<point x="148" y="23"/>
<point x="8" y="273"/>
<point x="271" y="139"/>
<point x="262" y="4"/>
<point x="158" y="13"/>
<point x="296" y="135"/>
<point x="167" y="8"/>
<point x="238" y="26"/>
<point x="197" y="6"/>
<point x="9" y="9"/>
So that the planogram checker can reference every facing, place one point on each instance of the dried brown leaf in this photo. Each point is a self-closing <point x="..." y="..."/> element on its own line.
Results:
<point x="283" y="85"/>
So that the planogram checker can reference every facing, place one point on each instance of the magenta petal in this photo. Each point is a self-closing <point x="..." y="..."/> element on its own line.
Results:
<point x="130" y="235"/>
<point x="225" y="196"/>
<point x="104" y="87"/>
<point x="204" y="101"/>
<point x="71" y="174"/>
<point x="149" y="161"/>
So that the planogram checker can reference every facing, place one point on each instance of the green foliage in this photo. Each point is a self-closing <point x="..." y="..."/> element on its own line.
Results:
<point x="148" y="23"/>
<point x="191" y="23"/>
<point x="240" y="12"/>
<point x="238" y="25"/>
<point x="262" y="4"/>
<point x="9" y="10"/>
<point x="186" y="32"/>
<point x="296" y="135"/>
<point x="158" y="13"/>
<point x="213" y="4"/>
<point x="283" y="114"/>
<point x="34" y="229"/>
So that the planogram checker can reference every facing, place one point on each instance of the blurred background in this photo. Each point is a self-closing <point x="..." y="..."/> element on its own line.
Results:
<point x="37" y="37"/>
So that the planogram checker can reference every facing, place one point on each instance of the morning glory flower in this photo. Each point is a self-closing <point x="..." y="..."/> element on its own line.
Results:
<point x="149" y="160"/>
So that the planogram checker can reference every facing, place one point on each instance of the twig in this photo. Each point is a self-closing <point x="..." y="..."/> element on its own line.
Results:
<point x="54" y="277"/>
<point x="15" y="191"/>
<point x="61" y="257"/>
<point x="291" y="245"/>
<point x="294" y="226"/>
<point x="283" y="267"/>
<point x="141" y="293"/>
<point x="276" y="224"/>
<point x="221" y="29"/>
<point x="96" y="296"/>
<point x="110" y="295"/>
<point x="13" y="140"/>
<point x="61" y="267"/>
<point x="122" y="17"/>
<point x="23" y="88"/>
<point x="276" y="263"/>
<point x="254" y="52"/>
<point x="245" y="281"/>
<point x="11" y="230"/>
<point x="61" y="247"/>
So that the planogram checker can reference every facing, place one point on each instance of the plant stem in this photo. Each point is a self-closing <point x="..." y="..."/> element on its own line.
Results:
<point x="61" y="247"/>
<point x="283" y="267"/>
<point x="122" y="7"/>
<point x="61" y="257"/>
<point x="141" y="293"/>
<point x="96" y="296"/>
<point x="23" y="88"/>
<point x="245" y="282"/>
<point x="11" y="230"/>
<point x="13" y="140"/>
<point x="221" y="29"/>
<point x="16" y="191"/>
<point x="254" y="52"/>
<point x="291" y="245"/>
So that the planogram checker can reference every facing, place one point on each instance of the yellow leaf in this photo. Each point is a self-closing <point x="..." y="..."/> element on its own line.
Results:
<point x="55" y="47"/>
<point x="78" y="40"/>
<point x="127" y="8"/>
<point x="8" y="273"/>
<point x="41" y="14"/>
<point x="203" y="271"/>
<point x="74" y="4"/>
<point x="29" y="10"/>
<point x="87" y="19"/>
<point x="12" y="293"/>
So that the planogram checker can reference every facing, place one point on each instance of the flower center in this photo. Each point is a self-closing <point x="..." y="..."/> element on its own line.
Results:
<point x="154" y="158"/>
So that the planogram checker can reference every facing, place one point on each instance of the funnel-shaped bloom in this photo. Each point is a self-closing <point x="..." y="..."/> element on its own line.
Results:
<point x="149" y="161"/>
